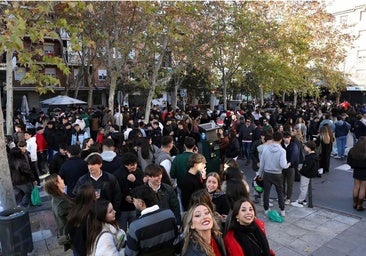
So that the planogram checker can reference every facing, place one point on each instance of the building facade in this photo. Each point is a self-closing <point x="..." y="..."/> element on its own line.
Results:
<point x="351" y="16"/>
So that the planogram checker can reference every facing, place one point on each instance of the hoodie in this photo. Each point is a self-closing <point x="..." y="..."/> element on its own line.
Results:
<point x="310" y="166"/>
<point x="111" y="161"/>
<point x="273" y="159"/>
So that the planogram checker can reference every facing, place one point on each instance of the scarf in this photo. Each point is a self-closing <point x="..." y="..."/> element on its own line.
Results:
<point x="251" y="239"/>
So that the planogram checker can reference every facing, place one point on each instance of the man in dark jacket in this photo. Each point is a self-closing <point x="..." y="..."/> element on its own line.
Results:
<point x="292" y="156"/>
<point x="246" y="138"/>
<point x="308" y="171"/>
<point x="21" y="174"/>
<point x="166" y="195"/>
<point x="128" y="177"/>
<point x="73" y="168"/>
<point x="111" y="161"/>
<point x="105" y="184"/>
<point x="59" y="159"/>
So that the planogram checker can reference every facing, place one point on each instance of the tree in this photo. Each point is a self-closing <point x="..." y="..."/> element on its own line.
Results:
<point x="35" y="21"/>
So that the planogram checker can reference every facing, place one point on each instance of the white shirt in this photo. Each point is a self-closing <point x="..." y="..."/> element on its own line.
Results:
<point x="32" y="148"/>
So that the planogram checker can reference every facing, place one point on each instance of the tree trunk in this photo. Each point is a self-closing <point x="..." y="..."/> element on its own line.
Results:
<point x="7" y="198"/>
<point x="261" y="95"/>
<point x="112" y="91"/>
<point x="338" y="98"/>
<point x="90" y="93"/>
<point x="9" y="93"/>
<point x="295" y="99"/>
<point x="223" y="84"/>
<point x="175" y="97"/>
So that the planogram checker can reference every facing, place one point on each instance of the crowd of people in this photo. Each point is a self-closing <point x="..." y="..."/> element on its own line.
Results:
<point x="123" y="187"/>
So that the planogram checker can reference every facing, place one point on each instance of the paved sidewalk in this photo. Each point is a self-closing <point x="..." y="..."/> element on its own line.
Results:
<point x="316" y="231"/>
<point x="305" y="231"/>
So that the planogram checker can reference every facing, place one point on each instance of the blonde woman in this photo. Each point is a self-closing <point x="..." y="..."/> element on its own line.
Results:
<point x="325" y="145"/>
<point x="202" y="234"/>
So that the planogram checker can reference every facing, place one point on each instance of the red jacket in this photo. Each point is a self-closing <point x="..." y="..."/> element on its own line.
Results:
<point x="233" y="247"/>
<point x="41" y="142"/>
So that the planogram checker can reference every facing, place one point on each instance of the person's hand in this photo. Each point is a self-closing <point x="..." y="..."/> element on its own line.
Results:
<point x="131" y="177"/>
<point x="203" y="173"/>
<point x="129" y="199"/>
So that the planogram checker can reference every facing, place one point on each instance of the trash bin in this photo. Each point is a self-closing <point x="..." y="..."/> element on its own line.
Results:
<point x="15" y="232"/>
<point x="209" y="146"/>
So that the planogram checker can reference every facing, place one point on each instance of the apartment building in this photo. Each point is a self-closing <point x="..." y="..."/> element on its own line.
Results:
<point x="351" y="16"/>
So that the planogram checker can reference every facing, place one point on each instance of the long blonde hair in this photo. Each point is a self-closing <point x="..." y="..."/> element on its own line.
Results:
<point x="326" y="135"/>
<point x="192" y="236"/>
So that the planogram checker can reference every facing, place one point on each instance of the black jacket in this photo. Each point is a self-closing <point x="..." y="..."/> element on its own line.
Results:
<point x="310" y="166"/>
<point x="108" y="185"/>
<point x="20" y="170"/>
<point x="126" y="186"/>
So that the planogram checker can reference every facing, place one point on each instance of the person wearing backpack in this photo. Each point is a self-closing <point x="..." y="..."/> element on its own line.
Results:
<point x="308" y="171"/>
<point x="341" y="130"/>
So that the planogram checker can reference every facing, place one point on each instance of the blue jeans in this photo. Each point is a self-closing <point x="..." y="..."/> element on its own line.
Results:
<point x="341" y="145"/>
<point x="246" y="146"/>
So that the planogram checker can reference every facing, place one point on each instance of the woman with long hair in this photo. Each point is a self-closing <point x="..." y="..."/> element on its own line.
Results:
<point x="180" y="133"/>
<point x="325" y="145"/>
<point x="223" y="141"/>
<point x="77" y="218"/>
<point x="88" y="147"/>
<point x="218" y="197"/>
<point x="357" y="160"/>
<point x="146" y="151"/>
<point x="233" y="149"/>
<point x="202" y="234"/>
<point x="301" y="125"/>
<point x="61" y="204"/>
<point x="246" y="235"/>
<point x="104" y="237"/>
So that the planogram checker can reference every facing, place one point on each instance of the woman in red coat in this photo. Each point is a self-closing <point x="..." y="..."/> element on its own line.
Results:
<point x="246" y="235"/>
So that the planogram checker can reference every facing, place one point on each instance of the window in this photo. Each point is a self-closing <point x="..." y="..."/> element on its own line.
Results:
<point x="102" y="74"/>
<point x="50" y="72"/>
<point x="343" y="19"/>
<point x="361" y="54"/>
<point x="49" y="49"/>
<point x="361" y="74"/>
<point x="363" y="16"/>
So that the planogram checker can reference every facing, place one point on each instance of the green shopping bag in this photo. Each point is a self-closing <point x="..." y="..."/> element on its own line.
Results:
<point x="36" y="197"/>
<point x="274" y="216"/>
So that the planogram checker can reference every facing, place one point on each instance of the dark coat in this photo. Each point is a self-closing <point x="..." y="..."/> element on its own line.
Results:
<point x="126" y="186"/>
<point x="310" y="166"/>
<point x="56" y="163"/>
<point x="108" y="185"/>
<point x="71" y="171"/>
<point x="20" y="170"/>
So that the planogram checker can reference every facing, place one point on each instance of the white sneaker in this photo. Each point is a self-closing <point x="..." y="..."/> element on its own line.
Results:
<point x="287" y="201"/>
<point x="270" y="204"/>
<point x="297" y="204"/>
<point x="266" y="211"/>
<point x="283" y="213"/>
